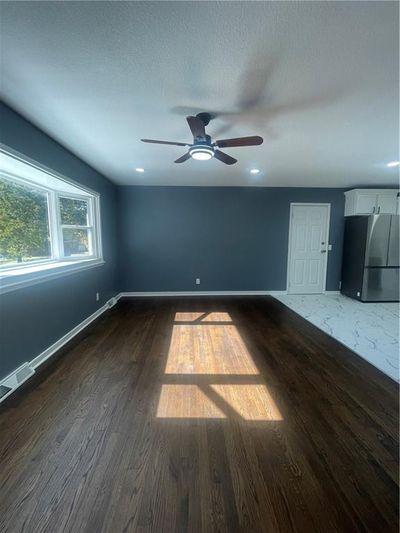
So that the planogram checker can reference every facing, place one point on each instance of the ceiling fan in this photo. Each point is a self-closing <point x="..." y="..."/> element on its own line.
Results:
<point x="202" y="148"/>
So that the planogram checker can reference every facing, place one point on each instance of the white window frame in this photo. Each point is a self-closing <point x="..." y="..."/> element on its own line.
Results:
<point x="21" y="275"/>
<point x="91" y="227"/>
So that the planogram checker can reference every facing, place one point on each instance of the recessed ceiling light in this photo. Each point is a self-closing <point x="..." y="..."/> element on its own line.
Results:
<point x="139" y="169"/>
<point x="393" y="164"/>
<point x="254" y="171"/>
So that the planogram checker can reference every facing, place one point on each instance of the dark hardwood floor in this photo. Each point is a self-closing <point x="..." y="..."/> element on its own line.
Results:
<point x="201" y="415"/>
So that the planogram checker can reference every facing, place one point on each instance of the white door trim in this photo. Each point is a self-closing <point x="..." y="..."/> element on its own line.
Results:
<point x="328" y="219"/>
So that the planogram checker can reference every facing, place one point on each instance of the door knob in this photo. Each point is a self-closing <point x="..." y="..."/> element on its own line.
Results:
<point x="323" y="251"/>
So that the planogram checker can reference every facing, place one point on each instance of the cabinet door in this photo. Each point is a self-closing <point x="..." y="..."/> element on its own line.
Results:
<point x="365" y="203"/>
<point x="387" y="203"/>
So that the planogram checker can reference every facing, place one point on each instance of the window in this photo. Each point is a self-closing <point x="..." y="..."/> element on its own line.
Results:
<point x="46" y="221"/>
<point x="76" y="226"/>
<point x="24" y="224"/>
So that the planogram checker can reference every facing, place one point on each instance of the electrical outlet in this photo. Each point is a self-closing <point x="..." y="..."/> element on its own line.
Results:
<point x="197" y="281"/>
<point x="97" y="296"/>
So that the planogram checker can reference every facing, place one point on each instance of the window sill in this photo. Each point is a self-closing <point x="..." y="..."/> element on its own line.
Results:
<point x="23" y="277"/>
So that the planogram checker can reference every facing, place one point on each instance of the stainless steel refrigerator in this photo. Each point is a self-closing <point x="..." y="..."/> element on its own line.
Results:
<point x="371" y="259"/>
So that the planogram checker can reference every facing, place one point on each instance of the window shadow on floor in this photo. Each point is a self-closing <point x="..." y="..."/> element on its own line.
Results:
<point x="210" y="373"/>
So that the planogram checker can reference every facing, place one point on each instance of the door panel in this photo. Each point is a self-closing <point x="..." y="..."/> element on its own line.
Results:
<point x="314" y="271"/>
<point x="301" y="231"/>
<point x="308" y="246"/>
<point x="316" y="237"/>
<point x="299" y="271"/>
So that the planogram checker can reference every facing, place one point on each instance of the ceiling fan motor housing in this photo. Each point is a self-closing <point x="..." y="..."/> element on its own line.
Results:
<point x="206" y="140"/>
<point x="202" y="148"/>
<point x="204" y="117"/>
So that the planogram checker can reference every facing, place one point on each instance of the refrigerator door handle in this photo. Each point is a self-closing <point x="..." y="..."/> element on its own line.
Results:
<point x="377" y="240"/>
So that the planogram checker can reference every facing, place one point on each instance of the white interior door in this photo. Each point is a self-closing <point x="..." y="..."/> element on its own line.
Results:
<point x="308" y="248"/>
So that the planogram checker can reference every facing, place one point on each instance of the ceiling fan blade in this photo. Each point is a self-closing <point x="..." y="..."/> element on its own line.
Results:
<point x="240" y="141"/>
<point x="182" y="159"/>
<point x="164" y="142"/>
<point x="225" y="158"/>
<point x="197" y="127"/>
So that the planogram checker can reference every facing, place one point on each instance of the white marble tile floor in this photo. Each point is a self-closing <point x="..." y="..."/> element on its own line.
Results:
<point x="369" y="329"/>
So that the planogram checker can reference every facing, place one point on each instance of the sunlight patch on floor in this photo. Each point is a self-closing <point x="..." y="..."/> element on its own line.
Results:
<point x="186" y="401"/>
<point x="249" y="402"/>
<point x="205" y="349"/>
<point x="208" y="348"/>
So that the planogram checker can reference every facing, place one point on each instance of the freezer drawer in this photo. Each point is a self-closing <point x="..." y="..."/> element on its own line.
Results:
<point x="381" y="285"/>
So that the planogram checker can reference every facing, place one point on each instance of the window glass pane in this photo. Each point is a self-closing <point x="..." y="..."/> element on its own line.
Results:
<point x="24" y="224"/>
<point x="74" y="212"/>
<point x="76" y="242"/>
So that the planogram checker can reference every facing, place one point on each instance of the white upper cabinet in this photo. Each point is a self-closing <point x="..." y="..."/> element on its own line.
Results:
<point x="371" y="202"/>
<point x="365" y="203"/>
<point x="387" y="202"/>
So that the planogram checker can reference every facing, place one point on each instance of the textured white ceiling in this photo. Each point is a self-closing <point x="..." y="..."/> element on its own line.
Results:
<point x="318" y="80"/>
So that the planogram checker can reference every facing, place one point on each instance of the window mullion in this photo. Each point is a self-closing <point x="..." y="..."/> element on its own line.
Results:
<point x="55" y="229"/>
<point x="75" y="226"/>
<point x="93" y="224"/>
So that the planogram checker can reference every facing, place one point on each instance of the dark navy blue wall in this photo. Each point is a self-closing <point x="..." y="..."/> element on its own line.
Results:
<point x="233" y="238"/>
<point x="33" y="318"/>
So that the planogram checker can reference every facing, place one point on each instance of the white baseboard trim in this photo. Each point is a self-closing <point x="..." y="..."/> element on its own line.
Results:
<point x="26" y="370"/>
<point x="51" y="350"/>
<point x="305" y="294"/>
<point x="201" y="293"/>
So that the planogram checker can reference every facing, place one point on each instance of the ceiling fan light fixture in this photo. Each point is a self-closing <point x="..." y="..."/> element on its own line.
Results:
<point x="201" y="153"/>
<point x="203" y="148"/>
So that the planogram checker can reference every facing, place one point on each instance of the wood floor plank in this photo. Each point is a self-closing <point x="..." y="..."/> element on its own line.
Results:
<point x="201" y="415"/>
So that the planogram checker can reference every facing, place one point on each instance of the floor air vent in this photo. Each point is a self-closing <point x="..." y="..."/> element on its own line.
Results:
<point x="15" y="380"/>
<point x="111" y="302"/>
<point x="4" y="390"/>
